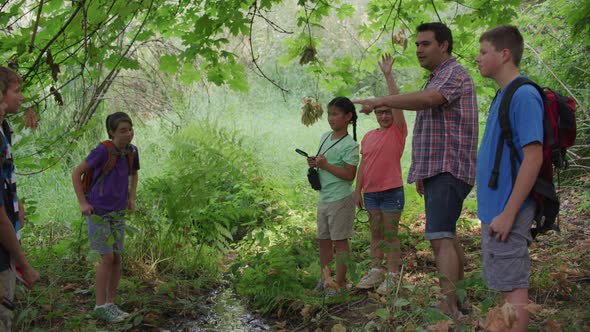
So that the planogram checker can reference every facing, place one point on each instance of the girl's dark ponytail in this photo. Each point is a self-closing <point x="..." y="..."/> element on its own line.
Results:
<point x="346" y="106"/>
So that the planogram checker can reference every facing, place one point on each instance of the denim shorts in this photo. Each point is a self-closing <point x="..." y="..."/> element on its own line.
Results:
<point x="389" y="201"/>
<point x="106" y="233"/>
<point x="443" y="200"/>
<point x="506" y="265"/>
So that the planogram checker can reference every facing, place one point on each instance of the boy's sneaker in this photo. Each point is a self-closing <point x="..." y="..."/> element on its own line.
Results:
<point x="107" y="314"/>
<point x="118" y="311"/>
<point x="373" y="278"/>
<point x="332" y="292"/>
<point x="388" y="284"/>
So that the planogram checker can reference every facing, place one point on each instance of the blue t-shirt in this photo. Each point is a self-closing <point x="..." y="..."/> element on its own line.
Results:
<point x="526" y="121"/>
<point x="10" y="196"/>
<point x="112" y="194"/>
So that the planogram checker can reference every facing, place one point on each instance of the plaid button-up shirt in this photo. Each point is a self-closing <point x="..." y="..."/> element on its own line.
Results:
<point x="445" y="137"/>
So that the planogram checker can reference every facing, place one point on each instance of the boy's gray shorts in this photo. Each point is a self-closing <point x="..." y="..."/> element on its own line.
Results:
<point x="506" y="265"/>
<point x="106" y="233"/>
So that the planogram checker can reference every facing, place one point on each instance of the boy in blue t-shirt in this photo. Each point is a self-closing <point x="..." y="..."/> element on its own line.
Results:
<point x="11" y="254"/>
<point x="507" y="211"/>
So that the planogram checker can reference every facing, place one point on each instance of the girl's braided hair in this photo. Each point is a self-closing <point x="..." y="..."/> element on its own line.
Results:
<point x="346" y="106"/>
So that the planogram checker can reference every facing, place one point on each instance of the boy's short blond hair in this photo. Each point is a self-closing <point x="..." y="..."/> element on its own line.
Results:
<point x="506" y="37"/>
<point x="8" y="77"/>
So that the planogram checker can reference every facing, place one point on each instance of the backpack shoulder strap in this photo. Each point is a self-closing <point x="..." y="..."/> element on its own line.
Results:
<point x="506" y="131"/>
<point x="108" y="166"/>
<point x="130" y="158"/>
<point x="111" y="158"/>
<point x="7" y="131"/>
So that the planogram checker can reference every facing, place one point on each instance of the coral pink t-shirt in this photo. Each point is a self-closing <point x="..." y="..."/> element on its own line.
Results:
<point x="382" y="151"/>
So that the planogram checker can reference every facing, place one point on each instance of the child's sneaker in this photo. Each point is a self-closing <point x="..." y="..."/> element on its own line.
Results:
<point x="320" y="286"/>
<point x="332" y="292"/>
<point x="118" y="311"/>
<point x="373" y="278"/>
<point x="388" y="284"/>
<point x="107" y="314"/>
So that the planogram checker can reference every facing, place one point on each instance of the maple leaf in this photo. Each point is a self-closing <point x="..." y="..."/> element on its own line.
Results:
<point x="501" y="319"/>
<point x="31" y="119"/>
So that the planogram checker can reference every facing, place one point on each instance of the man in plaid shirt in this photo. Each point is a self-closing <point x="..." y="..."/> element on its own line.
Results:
<point x="444" y="149"/>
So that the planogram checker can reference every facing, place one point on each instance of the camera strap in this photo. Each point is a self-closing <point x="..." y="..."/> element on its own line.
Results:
<point x="331" y="146"/>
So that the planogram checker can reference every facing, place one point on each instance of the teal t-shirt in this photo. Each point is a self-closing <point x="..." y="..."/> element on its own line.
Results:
<point x="344" y="152"/>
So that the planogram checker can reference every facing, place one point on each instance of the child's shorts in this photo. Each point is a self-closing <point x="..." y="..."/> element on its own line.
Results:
<point x="336" y="219"/>
<point x="388" y="201"/>
<point x="506" y="265"/>
<point x="106" y="233"/>
<point x="443" y="200"/>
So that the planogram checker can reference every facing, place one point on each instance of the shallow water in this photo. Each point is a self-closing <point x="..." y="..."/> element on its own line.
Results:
<point x="223" y="312"/>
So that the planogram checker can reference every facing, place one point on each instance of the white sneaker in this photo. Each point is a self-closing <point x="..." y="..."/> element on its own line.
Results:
<point x="388" y="284"/>
<point x="117" y="311"/>
<point x="373" y="278"/>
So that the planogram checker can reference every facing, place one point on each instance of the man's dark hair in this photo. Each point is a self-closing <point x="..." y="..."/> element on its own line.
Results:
<point x="441" y="33"/>
<point x="506" y="37"/>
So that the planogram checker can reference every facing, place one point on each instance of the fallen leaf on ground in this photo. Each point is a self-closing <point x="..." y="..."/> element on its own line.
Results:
<point x="501" y="319"/>
<point x="442" y="326"/>
<point x="534" y="308"/>
<point x="377" y="297"/>
<point x="338" y="328"/>
<point x="305" y="310"/>
<point x="69" y="287"/>
<point x="328" y="280"/>
<point x="552" y="326"/>
<point x="151" y="318"/>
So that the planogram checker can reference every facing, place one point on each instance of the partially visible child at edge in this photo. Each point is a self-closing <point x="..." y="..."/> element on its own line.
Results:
<point x="336" y="160"/>
<point x="380" y="182"/>
<point x="11" y="254"/>
<point x="108" y="199"/>
<point x="507" y="212"/>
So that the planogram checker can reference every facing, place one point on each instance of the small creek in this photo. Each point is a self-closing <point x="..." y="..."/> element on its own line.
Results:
<point x="223" y="312"/>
